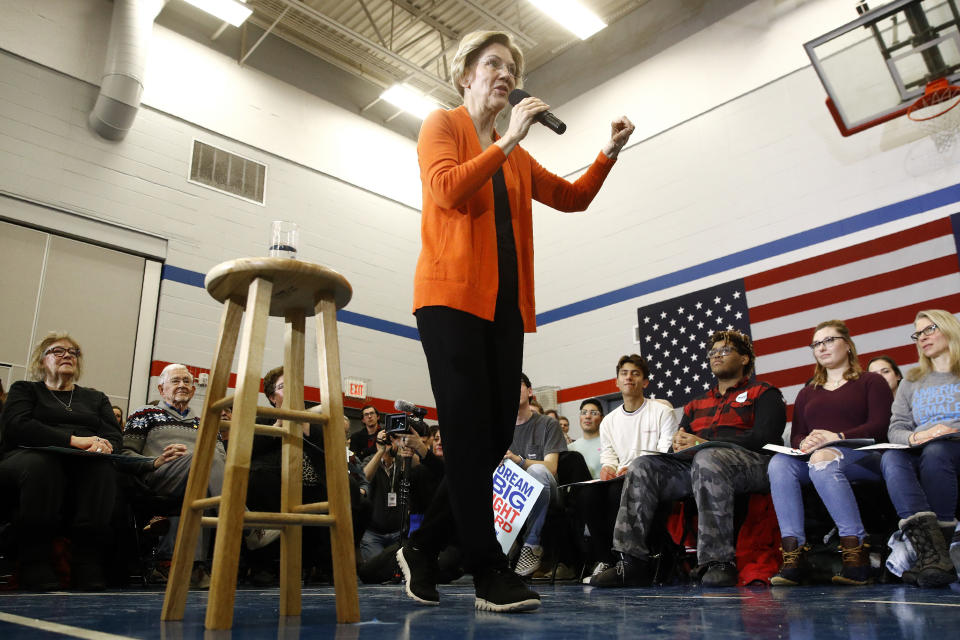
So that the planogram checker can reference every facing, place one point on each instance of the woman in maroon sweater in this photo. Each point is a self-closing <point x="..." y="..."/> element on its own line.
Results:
<point x="840" y="402"/>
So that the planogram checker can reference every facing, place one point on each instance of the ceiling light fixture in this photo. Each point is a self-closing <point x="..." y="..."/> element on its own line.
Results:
<point x="410" y="100"/>
<point x="227" y="10"/>
<point x="571" y="15"/>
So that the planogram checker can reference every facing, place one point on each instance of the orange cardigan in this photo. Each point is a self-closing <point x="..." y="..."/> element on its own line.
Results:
<point x="457" y="266"/>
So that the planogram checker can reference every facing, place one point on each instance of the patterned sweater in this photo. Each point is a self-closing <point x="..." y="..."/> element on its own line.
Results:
<point x="149" y="429"/>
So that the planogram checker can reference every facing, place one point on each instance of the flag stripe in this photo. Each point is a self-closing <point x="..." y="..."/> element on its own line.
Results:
<point x="863" y="324"/>
<point x="936" y="248"/>
<point x="873" y="284"/>
<point x="847" y="255"/>
<point x="916" y="294"/>
<point x="800" y="374"/>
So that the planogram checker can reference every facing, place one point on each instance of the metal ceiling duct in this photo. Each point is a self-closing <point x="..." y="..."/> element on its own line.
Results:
<point x="121" y="85"/>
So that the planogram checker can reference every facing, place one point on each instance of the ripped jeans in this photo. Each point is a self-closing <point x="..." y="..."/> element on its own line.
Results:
<point x="832" y="481"/>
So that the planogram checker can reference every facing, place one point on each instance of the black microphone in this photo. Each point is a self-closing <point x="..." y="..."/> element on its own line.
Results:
<point x="409" y="407"/>
<point x="545" y="118"/>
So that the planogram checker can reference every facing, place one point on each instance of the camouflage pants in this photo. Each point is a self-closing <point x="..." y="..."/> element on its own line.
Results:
<point x="712" y="477"/>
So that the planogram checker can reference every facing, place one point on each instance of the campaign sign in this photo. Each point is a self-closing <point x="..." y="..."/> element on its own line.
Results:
<point x="514" y="493"/>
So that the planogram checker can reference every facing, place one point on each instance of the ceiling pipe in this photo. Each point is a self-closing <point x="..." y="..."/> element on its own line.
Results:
<point x="121" y="85"/>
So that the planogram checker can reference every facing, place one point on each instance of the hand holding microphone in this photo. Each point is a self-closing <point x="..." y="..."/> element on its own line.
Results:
<point x="542" y="116"/>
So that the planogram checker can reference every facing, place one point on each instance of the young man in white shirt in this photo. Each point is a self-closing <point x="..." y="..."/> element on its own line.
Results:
<point x="638" y="425"/>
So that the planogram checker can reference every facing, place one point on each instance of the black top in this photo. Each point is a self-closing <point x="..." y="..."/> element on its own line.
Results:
<point x="507" y="273"/>
<point x="35" y="416"/>
<point x="364" y="444"/>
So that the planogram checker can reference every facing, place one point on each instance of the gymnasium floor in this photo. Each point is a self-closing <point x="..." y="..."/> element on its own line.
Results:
<point x="569" y="611"/>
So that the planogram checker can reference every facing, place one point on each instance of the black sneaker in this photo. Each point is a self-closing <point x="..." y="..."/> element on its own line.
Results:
<point x="720" y="574"/>
<point x="625" y="573"/>
<point x="503" y="591"/>
<point x="419" y="574"/>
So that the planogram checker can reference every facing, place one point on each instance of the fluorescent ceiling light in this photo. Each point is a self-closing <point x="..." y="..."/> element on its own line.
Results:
<point x="227" y="10"/>
<point x="572" y="16"/>
<point x="410" y="100"/>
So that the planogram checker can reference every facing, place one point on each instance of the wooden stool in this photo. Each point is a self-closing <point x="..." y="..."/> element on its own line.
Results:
<point x="268" y="287"/>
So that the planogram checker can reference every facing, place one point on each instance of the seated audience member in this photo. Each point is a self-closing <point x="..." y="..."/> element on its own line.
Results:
<point x="118" y="414"/>
<point x="168" y="433"/>
<point x="437" y="447"/>
<point x="364" y="442"/>
<point x="264" y="489"/>
<point x="885" y="366"/>
<point x="839" y="402"/>
<point x="591" y="413"/>
<point x="738" y="410"/>
<point x="56" y="489"/>
<point x="922" y="480"/>
<point x="552" y="413"/>
<point x="564" y="423"/>
<point x="426" y="474"/>
<point x="537" y="443"/>
<point x="638" y="425"/>
<point x="536" y="406"/>
<point x="384" y="471"/>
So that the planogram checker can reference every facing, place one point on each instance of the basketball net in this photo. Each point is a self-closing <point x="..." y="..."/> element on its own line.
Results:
<point x="935" y="112"/>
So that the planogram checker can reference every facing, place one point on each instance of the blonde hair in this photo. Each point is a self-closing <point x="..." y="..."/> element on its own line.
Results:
<point x="854" y="370"/>
<point x="470" y="47"/>
<point x="948" y="324"/>
<point x="36" y="369"/>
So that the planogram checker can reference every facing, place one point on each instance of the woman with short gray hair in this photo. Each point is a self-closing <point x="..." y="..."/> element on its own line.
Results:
<point x="54" y="488"/>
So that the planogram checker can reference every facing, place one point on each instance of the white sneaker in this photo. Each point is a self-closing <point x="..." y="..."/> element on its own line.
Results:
<point x="598" y="568"/>
<point x="529" y="560"/>
<point x="259" y="538"/>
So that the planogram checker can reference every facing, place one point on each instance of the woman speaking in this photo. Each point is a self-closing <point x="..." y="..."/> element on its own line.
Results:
<point x="473" y="301"/>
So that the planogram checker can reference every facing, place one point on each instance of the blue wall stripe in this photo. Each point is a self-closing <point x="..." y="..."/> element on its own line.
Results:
<point x="859" y="222"/>
<point x="838" y="229"/>
<point x="183" y="276"/>
<point x="195" y="279"/>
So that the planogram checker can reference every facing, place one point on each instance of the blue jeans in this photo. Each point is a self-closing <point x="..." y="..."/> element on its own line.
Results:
<point x="832" y="481"/>
<point x="538" y="515"/>
<point x="373" y="543"/>
<point x="924" y="479"/>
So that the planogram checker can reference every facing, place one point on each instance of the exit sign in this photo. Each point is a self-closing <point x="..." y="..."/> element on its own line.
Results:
<point x="355" y="388"/>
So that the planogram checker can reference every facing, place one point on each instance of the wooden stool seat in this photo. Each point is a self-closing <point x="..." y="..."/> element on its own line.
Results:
<point x="296" y="284"/>
<point x="252" y="290"/>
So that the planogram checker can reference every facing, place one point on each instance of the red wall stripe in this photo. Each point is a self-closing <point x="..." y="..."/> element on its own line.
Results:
<point x="585" y="391"/>
<point x="310" y="394"/>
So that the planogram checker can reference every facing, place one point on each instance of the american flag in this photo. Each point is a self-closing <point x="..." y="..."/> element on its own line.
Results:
<point x="876" y="287"/>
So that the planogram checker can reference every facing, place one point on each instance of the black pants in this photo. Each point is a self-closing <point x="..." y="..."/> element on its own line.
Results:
<point x="475" y="370"/>
<point x="56" y="489"/>
<point x="598" y="505"/>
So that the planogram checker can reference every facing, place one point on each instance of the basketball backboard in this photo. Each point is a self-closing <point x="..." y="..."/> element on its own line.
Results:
<point x="876" y="66"/>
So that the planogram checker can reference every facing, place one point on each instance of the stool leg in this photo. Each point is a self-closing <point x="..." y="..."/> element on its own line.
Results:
<point x="338" y="485"/>
<point x="178" y="581"/>
<point x="291" y="470"/>
<point x="226" y="550"/>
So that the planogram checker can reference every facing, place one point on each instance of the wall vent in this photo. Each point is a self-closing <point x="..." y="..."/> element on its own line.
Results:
<point x="227" y="172"/>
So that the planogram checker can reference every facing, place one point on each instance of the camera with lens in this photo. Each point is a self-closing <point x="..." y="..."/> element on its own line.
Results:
<point x="403" y="424"/>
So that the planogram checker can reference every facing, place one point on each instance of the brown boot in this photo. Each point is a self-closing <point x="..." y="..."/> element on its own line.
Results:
<point x="856" y="562"/>
<point x="794" y="567"/>
<point x="933" y="558"/>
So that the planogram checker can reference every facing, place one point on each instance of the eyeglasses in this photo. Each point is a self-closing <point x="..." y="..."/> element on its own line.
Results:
<point x="187" y="380"/>
<point x="589" y="412"/>
<point x="369" y="414"/>
<point x="60" y="352"/>
<point x="826" y="342"/>
<point x="927" y="330"/>
<point x="496" y="64"/>
<point x="723" y="352"/>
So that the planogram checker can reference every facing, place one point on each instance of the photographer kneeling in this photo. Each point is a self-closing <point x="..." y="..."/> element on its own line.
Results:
<point x="383" y="470"/>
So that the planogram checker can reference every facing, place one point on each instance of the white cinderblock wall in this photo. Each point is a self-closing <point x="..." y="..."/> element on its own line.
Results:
<point x="734" y="148"/>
